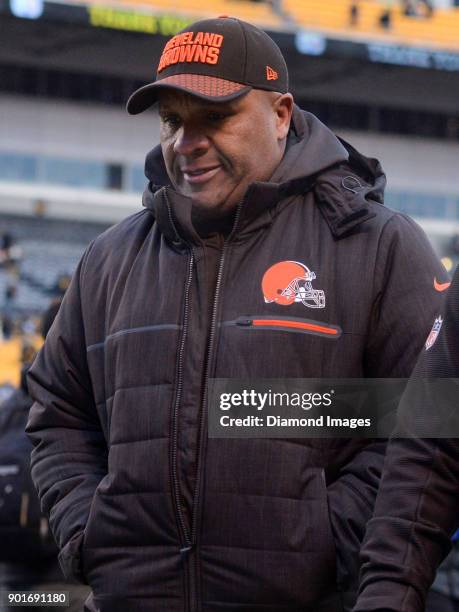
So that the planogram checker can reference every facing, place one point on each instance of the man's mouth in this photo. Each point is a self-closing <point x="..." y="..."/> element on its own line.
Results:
<point x="196" y="176"/>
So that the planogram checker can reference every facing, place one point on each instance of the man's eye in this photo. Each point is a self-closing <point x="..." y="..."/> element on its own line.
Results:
<point x="215" y="117"/>
<point x="171" y="121"/>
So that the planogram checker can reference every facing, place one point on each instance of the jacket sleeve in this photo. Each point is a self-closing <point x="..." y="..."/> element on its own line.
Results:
<point x="69" y="458"/>
<point x="417" y="508"/>
<point x="405" y="305"/>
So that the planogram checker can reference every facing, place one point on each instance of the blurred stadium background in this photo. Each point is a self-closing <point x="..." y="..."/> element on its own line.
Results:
<point x="382" y="74"/>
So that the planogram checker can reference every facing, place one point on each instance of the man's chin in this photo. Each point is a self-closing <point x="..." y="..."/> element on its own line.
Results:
<point x="212" y="205"/>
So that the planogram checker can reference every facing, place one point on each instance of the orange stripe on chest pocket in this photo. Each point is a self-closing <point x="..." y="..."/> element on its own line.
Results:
<point x="287" y="324"/>
<point x="332" y="331"/>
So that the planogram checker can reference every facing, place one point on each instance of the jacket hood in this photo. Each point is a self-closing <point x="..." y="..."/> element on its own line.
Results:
<point x="344" y="181"/>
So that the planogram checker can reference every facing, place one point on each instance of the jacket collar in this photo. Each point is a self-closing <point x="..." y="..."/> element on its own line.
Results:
<point x="343" y="181"/>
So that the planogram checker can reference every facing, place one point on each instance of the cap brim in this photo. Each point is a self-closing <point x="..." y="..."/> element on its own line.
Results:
<point x="205" y="87"/>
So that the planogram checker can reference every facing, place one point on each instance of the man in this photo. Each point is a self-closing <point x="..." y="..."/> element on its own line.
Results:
<point x="417" y="508"/>
<point x="256" y="216"/>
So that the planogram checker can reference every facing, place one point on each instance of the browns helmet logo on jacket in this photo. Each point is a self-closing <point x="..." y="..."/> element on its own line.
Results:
<point x="287" y="282"/>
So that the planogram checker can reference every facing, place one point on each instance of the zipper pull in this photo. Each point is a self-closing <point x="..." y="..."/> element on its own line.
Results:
<point x="184" y="551"/>
<point x="244" y="321"/>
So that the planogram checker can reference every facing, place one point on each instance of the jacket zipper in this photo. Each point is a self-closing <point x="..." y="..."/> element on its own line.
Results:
<point x="175" y="480"/>
<point x="210" y="346"/>
<point x="185" y="536"/>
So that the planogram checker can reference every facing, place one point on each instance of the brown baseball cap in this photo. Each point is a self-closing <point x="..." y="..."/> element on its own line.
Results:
<point x="216" y="60"/>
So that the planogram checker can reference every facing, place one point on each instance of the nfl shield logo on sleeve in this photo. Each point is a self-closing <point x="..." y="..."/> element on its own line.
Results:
<point x="432" y="337"/>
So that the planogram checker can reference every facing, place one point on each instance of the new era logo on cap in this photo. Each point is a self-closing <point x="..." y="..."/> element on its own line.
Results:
<point x="217" y="60"/>
<point x="271" y="74"/>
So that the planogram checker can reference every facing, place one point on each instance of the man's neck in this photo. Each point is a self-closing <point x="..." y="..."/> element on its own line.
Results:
<point x="206" y="225"/>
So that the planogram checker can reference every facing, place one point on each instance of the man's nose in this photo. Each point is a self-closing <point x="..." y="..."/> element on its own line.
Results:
<point x="190" y="140"/>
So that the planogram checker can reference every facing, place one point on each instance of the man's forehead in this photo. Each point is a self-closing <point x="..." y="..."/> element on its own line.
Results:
<point x="171" y="99"/>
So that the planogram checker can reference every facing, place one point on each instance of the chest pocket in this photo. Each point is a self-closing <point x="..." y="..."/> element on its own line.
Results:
<point x="273" y="346"/>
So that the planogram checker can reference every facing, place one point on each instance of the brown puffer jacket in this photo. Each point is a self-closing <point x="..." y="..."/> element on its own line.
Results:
<point x="148" y="510"/>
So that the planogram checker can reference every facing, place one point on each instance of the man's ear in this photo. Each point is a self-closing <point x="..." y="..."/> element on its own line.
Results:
<point x="283" y="107"/>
